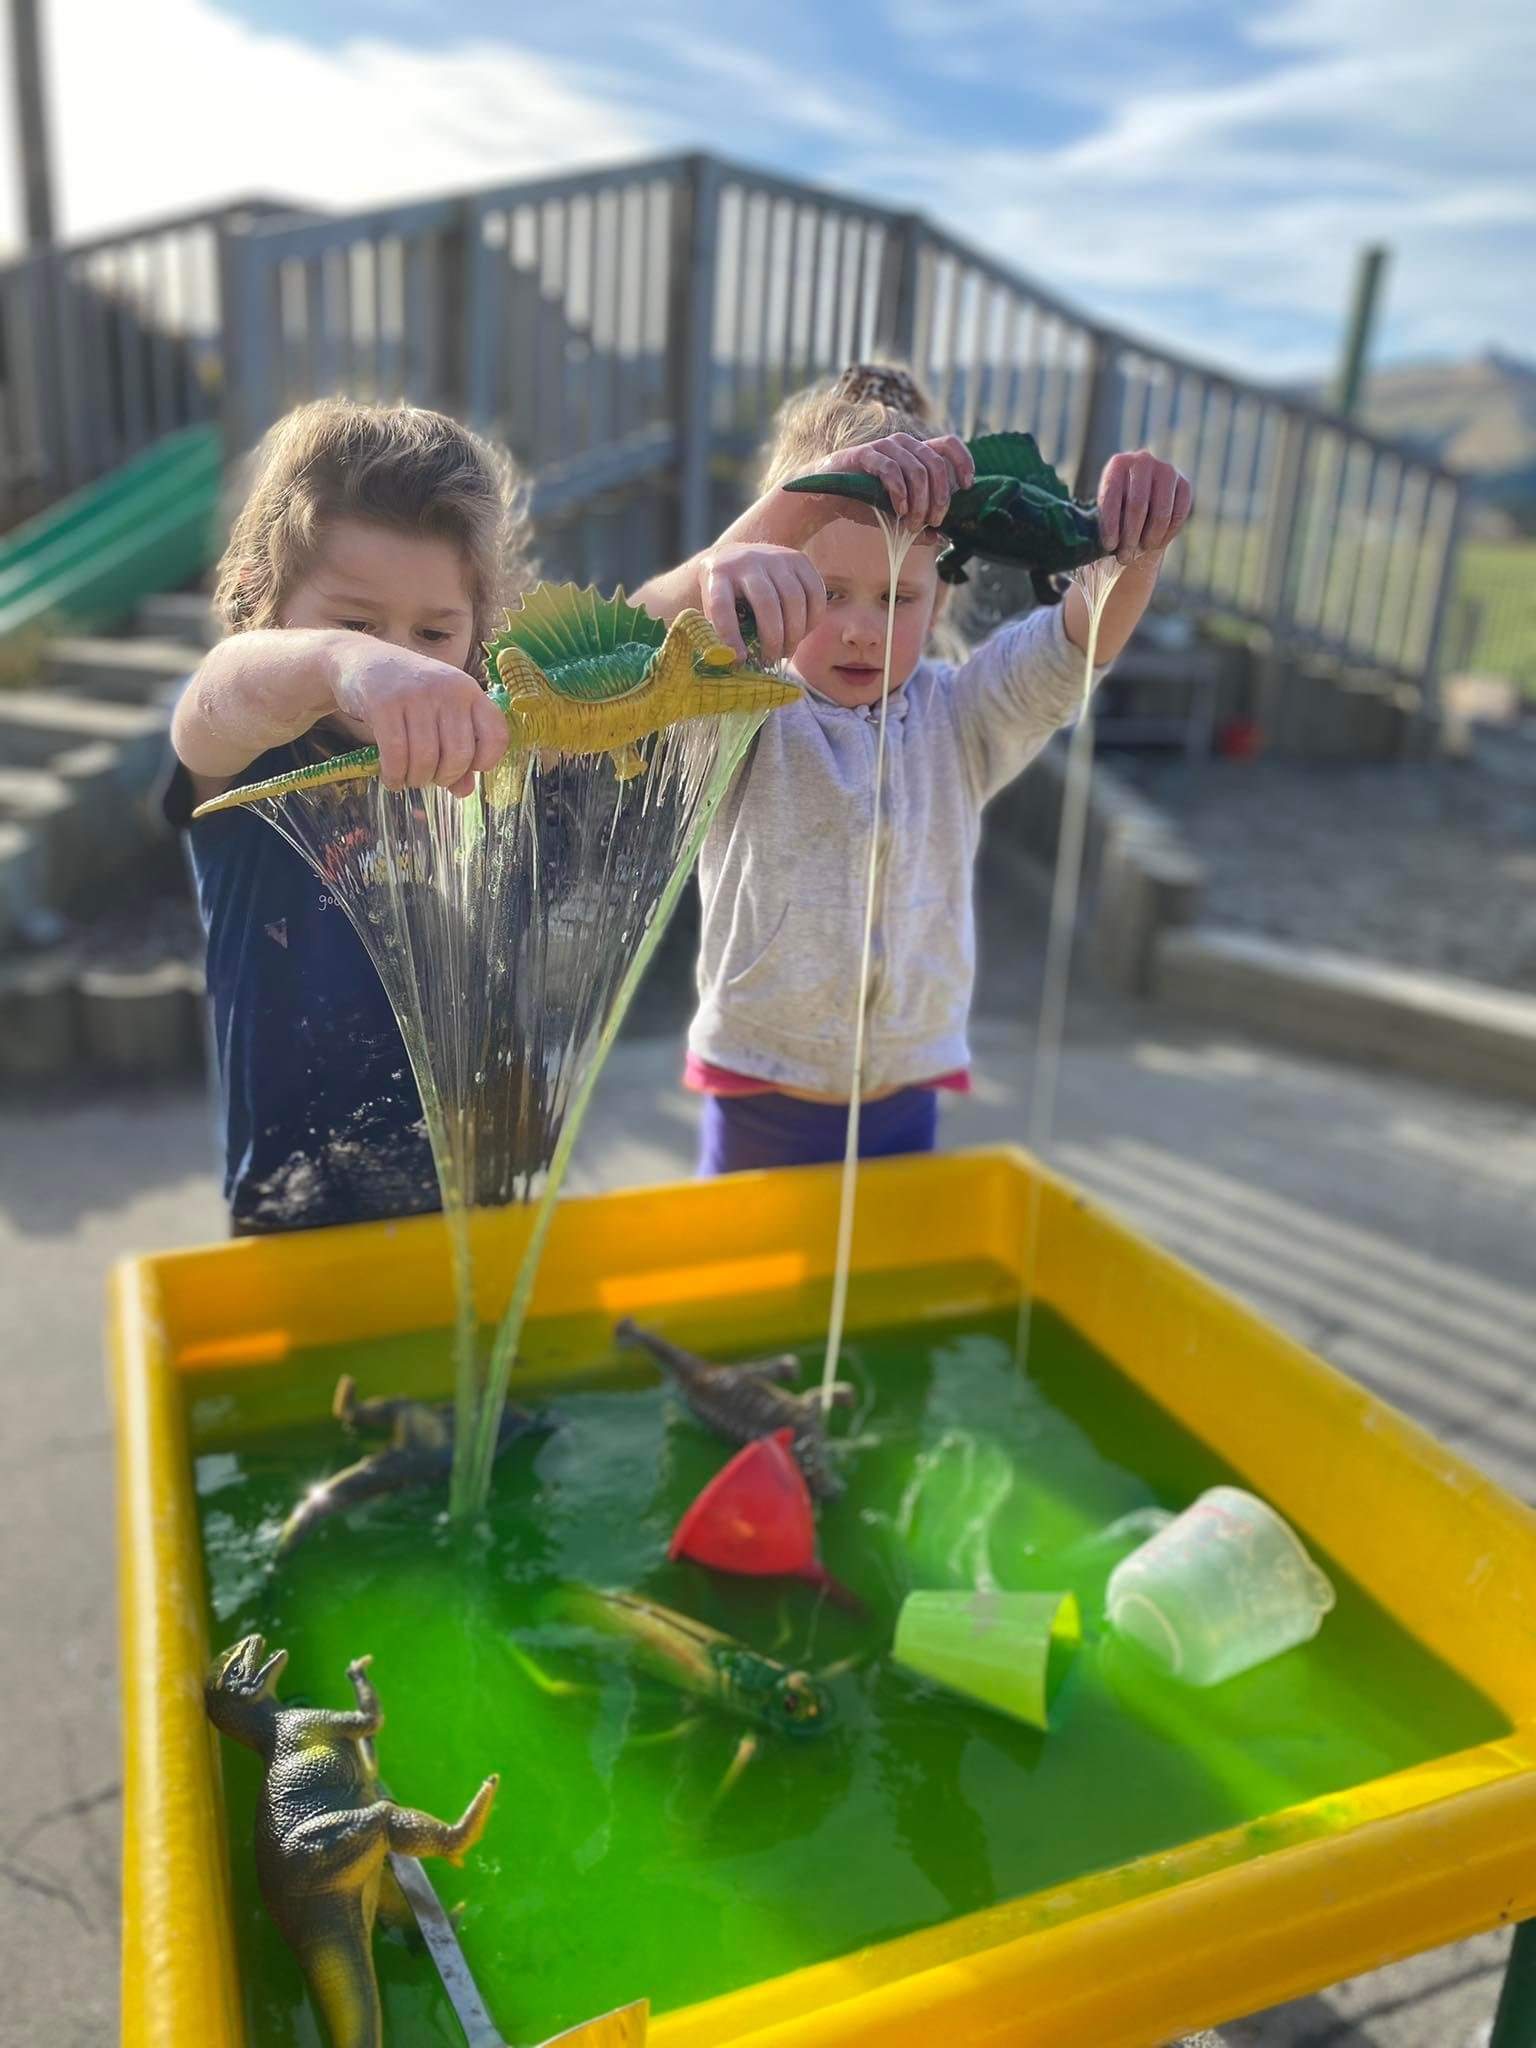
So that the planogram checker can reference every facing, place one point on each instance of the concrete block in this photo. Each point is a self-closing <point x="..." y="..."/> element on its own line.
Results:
<point x="110" y="821"/>
<point x="39" y="1018"/>
<point x="183" y="616"/>
<point x="38" y="800"/>
<point x="141" y="1021"/>
<point x="121" y="671"/>
<point x="1149" y="883"/>
<point x="23" y="881"/>
<point x="1459" y="1032"/>
<point x="38" y="725"/>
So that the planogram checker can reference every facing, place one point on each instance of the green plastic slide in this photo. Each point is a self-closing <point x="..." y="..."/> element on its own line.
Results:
<point x="149" y="526"/>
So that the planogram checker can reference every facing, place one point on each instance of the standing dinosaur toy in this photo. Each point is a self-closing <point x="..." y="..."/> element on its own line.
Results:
<point x="576" y="673"/>
<point x="1017" y="511"/>
<point x="324" y="1829"/>
<point x="744" y="1402"/>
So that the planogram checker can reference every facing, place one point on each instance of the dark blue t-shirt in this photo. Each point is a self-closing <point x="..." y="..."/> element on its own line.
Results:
<point x="322" y="1116"/>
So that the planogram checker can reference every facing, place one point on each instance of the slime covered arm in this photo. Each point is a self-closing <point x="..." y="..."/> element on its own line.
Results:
<point x="1143" y="505"/>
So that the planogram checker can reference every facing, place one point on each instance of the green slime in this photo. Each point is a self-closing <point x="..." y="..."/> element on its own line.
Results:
<point x="604" y="1874"/>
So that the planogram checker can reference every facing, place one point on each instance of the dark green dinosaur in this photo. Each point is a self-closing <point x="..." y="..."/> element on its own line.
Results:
<point x="744" y="1402"/>
<point x="1018" y="511"/>
<point x="324" y="1829"/>
<point x="419" y="1453"/>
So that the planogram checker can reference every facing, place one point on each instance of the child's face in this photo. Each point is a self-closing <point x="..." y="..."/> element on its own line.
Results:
<point x="404" y="588"/>
<point x="844" y="656"/>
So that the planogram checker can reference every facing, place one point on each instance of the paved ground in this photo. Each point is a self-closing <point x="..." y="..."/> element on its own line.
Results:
<point x="1389" y="1224"/>
<point x="1427" y="864"/>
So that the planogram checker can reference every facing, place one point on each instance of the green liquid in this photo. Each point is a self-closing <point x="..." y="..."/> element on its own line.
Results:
<point x="604" y="1874"/>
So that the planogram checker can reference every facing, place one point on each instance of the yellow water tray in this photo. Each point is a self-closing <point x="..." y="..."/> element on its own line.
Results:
<point x="1123" y="1959"/>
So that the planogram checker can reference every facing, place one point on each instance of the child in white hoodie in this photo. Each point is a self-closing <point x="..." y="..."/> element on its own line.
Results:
<point x="782" y="874"/>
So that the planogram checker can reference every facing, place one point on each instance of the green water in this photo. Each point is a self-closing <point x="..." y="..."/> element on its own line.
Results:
<point x="604" y="1873"/>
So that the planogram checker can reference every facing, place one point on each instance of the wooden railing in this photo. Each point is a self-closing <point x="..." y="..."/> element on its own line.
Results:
<point x="629" y="333"/>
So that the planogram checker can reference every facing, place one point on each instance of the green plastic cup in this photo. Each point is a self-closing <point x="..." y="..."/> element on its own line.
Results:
<point x="995" y="1648"/>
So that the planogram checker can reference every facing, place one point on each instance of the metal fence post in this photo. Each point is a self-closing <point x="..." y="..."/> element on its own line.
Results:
<point x="482" y="327"/>
<point x="452" y="306"/>
<point x="695" y="230"/>
<point x="45" y="276"/>
<point x="1277" y="583"/>
<point x="1439" y="619"/>
<point x="1101" y="414"/>
<point x="244" y="372"/>
<point x="896" y="305"/>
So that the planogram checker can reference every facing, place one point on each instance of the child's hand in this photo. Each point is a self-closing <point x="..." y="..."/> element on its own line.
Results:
<point x="1142" y="504"/>
<point x="431" y="723"/>
<point x="785" y="592"/>
<point x="920" y="477"/>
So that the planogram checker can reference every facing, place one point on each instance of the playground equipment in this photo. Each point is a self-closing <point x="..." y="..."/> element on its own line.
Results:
<point x="149" y="526"/>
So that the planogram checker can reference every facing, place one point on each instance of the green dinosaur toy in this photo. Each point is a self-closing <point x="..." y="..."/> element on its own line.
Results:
<point x="576" y="673"/>
<point x="585" y="674"/>
<point x="1017" y="511"/>
<point x="323" y="1829"/>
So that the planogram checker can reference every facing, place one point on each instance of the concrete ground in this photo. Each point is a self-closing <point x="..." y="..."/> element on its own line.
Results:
<point x="1388" y="1224"/>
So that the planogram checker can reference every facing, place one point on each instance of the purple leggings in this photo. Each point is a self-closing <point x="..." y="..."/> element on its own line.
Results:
<point x="739" y="1132"/>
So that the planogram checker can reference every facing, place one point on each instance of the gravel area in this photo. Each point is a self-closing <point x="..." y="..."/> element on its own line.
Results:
<point x="1428" y="865"/>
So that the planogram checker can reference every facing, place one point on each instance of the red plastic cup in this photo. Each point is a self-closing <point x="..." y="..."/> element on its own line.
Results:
<point x="756" y="1518"/>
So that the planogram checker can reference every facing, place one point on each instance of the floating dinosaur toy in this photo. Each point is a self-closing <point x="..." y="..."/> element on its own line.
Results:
<point x="697" y="1660"/>
<point x="744" y="1402"/>
<point x="1017" y="511"/>
<point x="419" y="1453"/>
<point x="324" y="1829"/>
<point x="576" y="673"/>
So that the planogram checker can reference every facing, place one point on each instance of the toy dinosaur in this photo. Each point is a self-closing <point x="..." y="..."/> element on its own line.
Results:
<point x="744" y="1402"/>
<point x="419" y="1453"/>
<point x="695" y="1659"/>
<point x="1017" y="511"/>
<point x="576" y="673"/>
<point x="585" y="675"/>
<point x="324" y="1829"/>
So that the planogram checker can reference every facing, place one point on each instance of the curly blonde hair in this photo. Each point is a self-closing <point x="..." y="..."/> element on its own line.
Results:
<point x="865" y="403"/>
<point x="399" y="466"/>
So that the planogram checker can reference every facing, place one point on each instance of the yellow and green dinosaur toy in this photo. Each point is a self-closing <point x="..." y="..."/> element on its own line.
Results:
<point x="576" y="673"/>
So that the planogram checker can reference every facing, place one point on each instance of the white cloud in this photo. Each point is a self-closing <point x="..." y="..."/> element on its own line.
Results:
<point x="166" y="105"/>
<point x="1385" y="120"/>
<point x="1214" y="202"/>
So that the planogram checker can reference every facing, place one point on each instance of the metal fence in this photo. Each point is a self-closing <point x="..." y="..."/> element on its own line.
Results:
<point x="108" y="345"/>
<point x="630" y="332"/>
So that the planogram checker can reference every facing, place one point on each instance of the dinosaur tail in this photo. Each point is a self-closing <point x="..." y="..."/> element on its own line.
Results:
<point x="719" y="682"/>
<point x="630" y="1337"/>
<point x="337" y="1961"/>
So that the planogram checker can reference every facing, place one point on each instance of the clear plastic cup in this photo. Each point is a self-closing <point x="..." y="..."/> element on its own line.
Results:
<point x="1226" y="1586"/>
<point x="995" y="1648"/>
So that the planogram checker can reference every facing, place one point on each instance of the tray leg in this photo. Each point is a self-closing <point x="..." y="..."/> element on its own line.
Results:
<point x="1514" y="2024"/>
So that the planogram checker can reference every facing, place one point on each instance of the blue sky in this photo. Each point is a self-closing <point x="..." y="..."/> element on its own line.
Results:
<point x="1200" y="172"/>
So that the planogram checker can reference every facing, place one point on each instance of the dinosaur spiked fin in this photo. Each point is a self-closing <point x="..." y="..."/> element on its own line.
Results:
<point x="1015" y="455"/>
<point x="565" y="626"/>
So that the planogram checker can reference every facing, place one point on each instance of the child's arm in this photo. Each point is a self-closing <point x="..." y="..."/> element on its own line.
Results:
<point x="430" y="722"/>
<point x="757" y="560"/>
<point x="1024" y="682"/>
<point x="1143" y="503"/>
